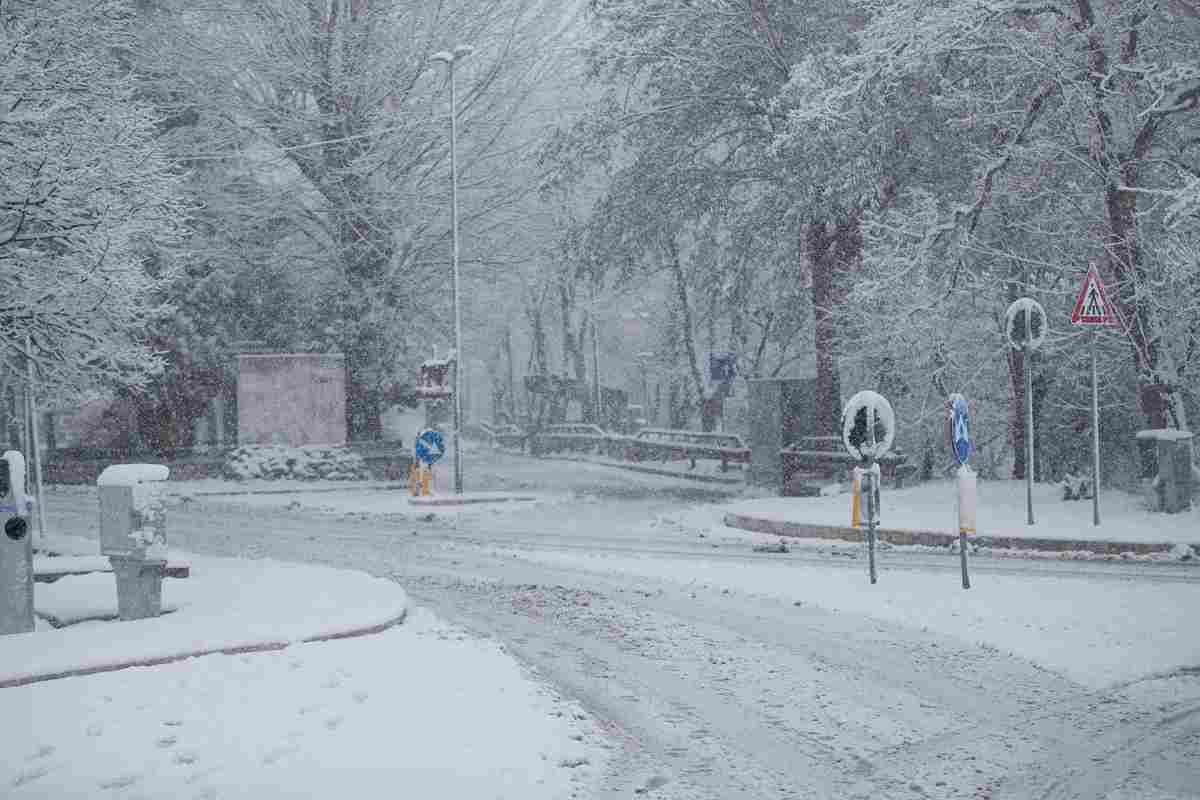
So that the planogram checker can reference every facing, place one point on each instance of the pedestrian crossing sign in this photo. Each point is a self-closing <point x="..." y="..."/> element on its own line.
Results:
<point x="1092" y="306"/>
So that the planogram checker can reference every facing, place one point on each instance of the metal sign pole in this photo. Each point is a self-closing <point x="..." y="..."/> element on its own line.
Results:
<point x="34" y="448"/>
<point x="869" y="484"/>
<point x="1028" y="426"/>
<point x="1095" y="436"/>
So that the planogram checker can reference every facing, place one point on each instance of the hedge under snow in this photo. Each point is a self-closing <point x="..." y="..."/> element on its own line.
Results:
<point x="274" y="462"/>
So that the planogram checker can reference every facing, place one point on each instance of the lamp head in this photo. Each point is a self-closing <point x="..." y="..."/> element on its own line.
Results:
<point x="449" y="57"/>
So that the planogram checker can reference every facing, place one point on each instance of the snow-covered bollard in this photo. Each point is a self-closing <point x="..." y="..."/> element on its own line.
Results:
<point x="133" y="534"/>
<point x="16" y="548"/>
<point x="1174" y="484"/>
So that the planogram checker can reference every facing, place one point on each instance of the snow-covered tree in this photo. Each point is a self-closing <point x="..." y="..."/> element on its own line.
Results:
<point x="320" y="142"/>
<point x="700" y="198"/>
<point x="89" y="202"/>
<point x="1065" y="135"/>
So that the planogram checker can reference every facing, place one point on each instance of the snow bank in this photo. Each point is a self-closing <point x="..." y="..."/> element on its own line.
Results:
<point x="303" y="463"/>
<point x="226" y="604"/>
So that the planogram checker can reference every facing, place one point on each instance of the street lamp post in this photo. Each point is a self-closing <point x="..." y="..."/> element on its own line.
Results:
<point x="450" y="58"/>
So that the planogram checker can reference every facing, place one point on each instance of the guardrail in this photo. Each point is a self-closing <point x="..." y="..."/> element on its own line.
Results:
<point x="665" y="444"/>
<point x="815" y="458"/>
<point x="570" y="437"/>
<point x="648" y="444"/>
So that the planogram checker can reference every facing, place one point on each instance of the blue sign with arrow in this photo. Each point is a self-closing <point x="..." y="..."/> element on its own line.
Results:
<point x="960" y="429"/>
<point x="430" y="446"/>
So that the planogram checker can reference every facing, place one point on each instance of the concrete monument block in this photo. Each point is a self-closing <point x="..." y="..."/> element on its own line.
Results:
<point x="1175" y="483"/>
<point x="133" y="535"/>
<point x="291" y="399"/>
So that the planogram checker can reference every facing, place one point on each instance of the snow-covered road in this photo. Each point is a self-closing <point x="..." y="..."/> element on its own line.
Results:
<point x="715" y="689"/>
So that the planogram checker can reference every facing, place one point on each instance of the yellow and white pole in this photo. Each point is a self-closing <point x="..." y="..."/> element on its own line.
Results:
<point x="967" y="503"/>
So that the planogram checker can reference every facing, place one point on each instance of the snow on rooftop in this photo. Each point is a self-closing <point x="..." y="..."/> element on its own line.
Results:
<point x="1164" y="434"/>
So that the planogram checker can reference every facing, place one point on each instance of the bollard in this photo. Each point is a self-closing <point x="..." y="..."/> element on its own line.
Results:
<point x="16" y="548"/>
<point x="414" y="480"/>
<point x="133" y="535"/>
<point x="856" y="497"/>
<point x="427" y="482"/>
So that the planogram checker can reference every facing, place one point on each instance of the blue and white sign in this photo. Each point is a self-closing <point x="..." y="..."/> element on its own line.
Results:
<point x="960" y="429"/>
<point x="722" y="367"/>
<point x="430" y="446"/>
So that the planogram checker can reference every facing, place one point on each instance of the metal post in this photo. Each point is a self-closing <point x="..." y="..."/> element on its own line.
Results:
<point x="1095" y="437"/>
<point x="596" y="360"/>
<point x="1028" y="422"/>
<point x="34" y="448"/>
<point x="962" y="534"/>
<point x="869" y="487"/>
<point x="449" y="59"/>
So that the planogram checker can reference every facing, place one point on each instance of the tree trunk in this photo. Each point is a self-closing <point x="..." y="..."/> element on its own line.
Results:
<point x="831" y="251"/>
<point x="512" y="386"/>
<point x="685" y="324"/>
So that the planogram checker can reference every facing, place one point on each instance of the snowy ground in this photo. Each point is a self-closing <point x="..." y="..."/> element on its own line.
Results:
<point x="419" y="705"/>
<point x="718" y="672"/>
<point x="421" y="710"/>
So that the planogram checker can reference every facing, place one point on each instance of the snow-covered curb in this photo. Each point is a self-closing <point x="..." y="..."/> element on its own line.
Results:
<point x="226" y="606"/>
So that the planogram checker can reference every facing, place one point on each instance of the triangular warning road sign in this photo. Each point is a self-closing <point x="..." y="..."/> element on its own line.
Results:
<point x="1092" y="306"/>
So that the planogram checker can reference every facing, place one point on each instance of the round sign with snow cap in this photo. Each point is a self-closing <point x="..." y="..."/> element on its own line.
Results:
<point x="868" y="426"/>
<point x="1025" y="324"/>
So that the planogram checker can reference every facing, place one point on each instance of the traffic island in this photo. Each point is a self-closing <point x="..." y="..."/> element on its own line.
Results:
<point x="924" y="515"/>
<point x="901" y="537"/>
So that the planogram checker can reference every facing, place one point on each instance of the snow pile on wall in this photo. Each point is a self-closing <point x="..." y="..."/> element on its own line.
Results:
<point x="275" y="462"/>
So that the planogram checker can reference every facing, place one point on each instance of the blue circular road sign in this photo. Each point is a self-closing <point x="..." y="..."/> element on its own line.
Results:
<point x="960" y="428"/>
<point x="430" y="446"/>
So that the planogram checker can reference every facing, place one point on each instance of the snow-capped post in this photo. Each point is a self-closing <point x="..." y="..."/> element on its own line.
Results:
<point x="133" y="534"/>
<point x="1025" y="327"/>
<point x="962" y="446"/>
<point x="16" y="548"/>
<point x="428" y="447"/>
<point x="1093" y="310"/>
<point x="868" y="429"/>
